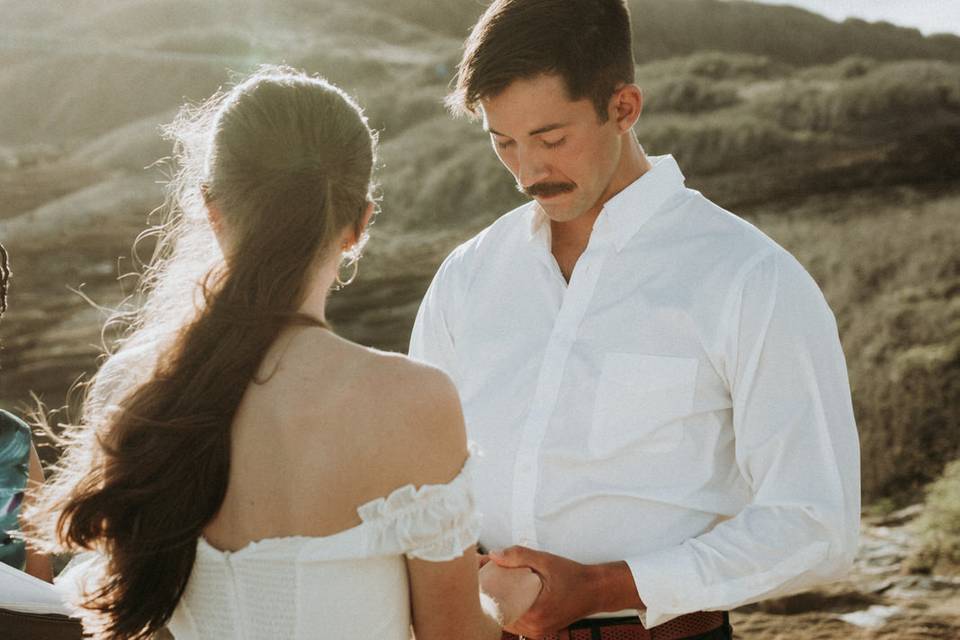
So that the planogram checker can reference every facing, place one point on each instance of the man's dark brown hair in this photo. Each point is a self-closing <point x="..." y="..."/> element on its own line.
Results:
<point x="586" y="42"/>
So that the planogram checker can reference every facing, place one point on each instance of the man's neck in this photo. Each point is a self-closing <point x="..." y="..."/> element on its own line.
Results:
<point x="569" y="239"/>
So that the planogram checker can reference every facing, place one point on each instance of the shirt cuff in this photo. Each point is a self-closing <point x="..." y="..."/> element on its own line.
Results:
<point x="672" y="582"/>
<point x="660" y="578"/>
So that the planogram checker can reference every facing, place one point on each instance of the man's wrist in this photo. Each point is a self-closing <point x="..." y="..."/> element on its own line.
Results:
<point x="613" y="588"/>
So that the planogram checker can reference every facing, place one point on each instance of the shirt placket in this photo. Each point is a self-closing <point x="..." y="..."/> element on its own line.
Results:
<point x="576" y="299"/>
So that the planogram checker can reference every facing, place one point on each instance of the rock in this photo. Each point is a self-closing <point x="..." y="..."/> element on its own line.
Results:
<point x="896" y="518"/>
<point x="872" y="618"/>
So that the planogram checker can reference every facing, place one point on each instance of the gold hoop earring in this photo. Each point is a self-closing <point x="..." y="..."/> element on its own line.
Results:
<point x="341" y="283"/>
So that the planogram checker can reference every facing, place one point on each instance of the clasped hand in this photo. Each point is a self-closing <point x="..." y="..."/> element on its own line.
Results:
<point x="534" y="608"/>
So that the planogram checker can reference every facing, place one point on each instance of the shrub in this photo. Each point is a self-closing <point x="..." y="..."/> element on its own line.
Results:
<point x="939" y="524"/>
<point x="713" y="142"/>
<point x="892" y="93"/>
<point x="851" y="67"/>
<point x="714" y="65"/>
<point x="442" y="174"/>
<point x="688" y="95"/>
<point x="393" y="112"/>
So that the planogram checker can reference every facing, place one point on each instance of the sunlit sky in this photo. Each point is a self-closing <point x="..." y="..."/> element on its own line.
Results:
<point x="929" y="16"/>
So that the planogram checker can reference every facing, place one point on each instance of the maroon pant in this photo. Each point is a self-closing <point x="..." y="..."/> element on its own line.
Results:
<point x="703" y="625"/>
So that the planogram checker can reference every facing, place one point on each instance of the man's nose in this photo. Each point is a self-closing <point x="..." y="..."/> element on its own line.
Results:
<point x="531" y="168"/>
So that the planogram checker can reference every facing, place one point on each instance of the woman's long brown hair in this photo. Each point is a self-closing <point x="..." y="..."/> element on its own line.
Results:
<point x="287" y="159"/>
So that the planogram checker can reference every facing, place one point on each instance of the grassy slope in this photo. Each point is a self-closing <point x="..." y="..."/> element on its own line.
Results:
<point x="783" y="114"/>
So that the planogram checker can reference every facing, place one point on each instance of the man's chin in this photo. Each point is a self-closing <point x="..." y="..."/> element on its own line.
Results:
<point x="557" y="211"/>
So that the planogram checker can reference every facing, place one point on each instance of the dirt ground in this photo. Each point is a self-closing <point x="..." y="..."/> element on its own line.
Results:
<point x="881" y="599"/>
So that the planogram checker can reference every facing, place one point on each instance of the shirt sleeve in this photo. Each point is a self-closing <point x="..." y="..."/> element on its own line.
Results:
<point x="432" y="338"/>
<point x="796" y="446"/>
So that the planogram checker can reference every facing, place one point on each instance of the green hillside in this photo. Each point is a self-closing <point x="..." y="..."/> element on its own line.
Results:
<point x="842" y="140"/>
<point x="784" y="33"/>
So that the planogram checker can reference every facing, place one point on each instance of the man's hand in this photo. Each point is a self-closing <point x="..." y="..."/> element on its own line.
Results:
<point x="566" y="596"/>
<point x="570" y="591"/>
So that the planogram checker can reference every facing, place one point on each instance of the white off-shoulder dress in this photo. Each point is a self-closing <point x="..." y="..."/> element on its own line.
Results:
<point x="351" y="584"/>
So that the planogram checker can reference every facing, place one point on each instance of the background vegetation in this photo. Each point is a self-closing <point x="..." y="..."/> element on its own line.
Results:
<point x="939" y="524"/>
<point x="842" y="141"/>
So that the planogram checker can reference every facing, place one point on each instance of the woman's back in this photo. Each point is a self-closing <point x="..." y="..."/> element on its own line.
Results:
<point x="334" y="426"/>
<point x="321" y="507"/>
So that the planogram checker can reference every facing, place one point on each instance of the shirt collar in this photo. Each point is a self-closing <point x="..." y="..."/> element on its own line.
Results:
<point x="539" y="229"/>
<point x="624" y="214"/>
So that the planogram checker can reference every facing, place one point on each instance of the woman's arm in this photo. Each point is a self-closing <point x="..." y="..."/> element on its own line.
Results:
<point x="445" y="595"/>
<point x="447" y="601"/>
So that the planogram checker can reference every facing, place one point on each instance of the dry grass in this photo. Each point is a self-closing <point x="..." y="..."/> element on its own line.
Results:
<point x="939" y="525"/>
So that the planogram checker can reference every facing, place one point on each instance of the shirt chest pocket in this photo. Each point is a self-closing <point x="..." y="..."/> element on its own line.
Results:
<point x="640" y="403"/>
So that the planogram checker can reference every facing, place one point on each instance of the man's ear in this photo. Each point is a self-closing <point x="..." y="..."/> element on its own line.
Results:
<point x="626" y="104"/>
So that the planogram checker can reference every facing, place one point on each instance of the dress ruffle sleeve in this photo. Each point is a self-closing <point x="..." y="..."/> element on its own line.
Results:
<point x="435" y="522"/>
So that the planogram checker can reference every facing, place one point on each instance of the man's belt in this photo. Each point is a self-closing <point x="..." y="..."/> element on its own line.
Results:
<point x="686" y="626"/>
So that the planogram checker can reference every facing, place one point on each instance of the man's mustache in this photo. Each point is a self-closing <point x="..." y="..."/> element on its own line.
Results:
<point x="546" y="189"/>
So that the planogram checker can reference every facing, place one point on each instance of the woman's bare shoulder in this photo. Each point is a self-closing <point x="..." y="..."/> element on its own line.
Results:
<point x="402" y="413"/>
<point x="422" y="407"/>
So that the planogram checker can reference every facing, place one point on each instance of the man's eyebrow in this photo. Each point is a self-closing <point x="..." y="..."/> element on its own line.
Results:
<point x="535" y="132"/>
<point x="546" y="128"/>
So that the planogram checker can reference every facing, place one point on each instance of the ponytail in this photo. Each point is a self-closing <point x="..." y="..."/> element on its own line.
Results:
<point x="287" y="159"/>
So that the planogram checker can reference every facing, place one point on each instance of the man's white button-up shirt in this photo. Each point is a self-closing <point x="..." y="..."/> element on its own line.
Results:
<point x="682" y="404"/>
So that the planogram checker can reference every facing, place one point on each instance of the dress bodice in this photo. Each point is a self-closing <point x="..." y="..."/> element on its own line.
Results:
<point x="349" y="584"/>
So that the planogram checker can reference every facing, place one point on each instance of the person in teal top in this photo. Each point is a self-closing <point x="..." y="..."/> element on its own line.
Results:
<point x="14" y="472"/>
<point x="19" y="463"/>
